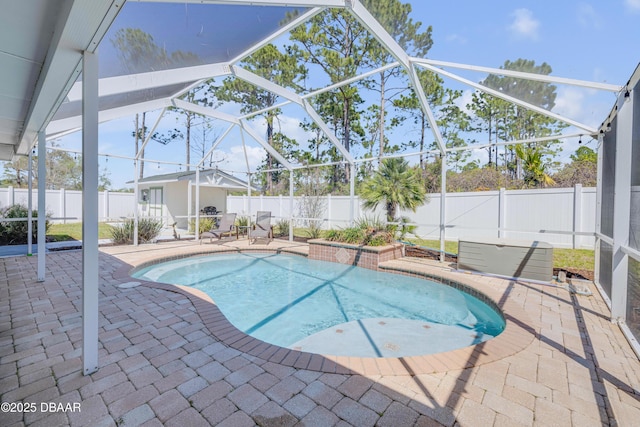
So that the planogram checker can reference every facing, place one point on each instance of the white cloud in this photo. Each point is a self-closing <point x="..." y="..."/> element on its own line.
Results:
<point x="464" y="100"/>
<point x="586" y="106"/>
<point x="287" y="125"/>
<point x="588" y="17"/>
<point x="633" y="4"/>
<point x="524" y="24"/>
<point x="569" y="103"/>
<point x="234" y="158"/>
<point x="456" y="38"/>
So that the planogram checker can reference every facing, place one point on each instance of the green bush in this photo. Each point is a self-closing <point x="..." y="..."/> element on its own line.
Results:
<point x="15" y="232"/>
<point x="367" y="231"/>
<point x="148" y="230"/>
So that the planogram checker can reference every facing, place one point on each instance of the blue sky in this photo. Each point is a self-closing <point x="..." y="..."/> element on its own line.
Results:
<point x="589" y="40"/>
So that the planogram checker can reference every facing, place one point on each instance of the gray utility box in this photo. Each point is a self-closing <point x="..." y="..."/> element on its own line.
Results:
<point x="511" y="258"/>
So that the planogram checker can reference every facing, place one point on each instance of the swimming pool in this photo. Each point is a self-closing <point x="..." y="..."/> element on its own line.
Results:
<point x="330" y="308"/>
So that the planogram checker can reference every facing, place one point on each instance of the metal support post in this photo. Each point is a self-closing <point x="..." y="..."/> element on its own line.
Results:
<point x="90" y="266"/>
<point x="42" y="206"/>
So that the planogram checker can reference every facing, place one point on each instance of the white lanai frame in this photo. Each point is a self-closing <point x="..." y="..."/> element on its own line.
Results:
<point x="193" y="76"/>
<point x="196" y="75"/>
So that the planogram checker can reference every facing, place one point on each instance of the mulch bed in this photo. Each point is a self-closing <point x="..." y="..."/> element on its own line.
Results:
<point x="575" y="273"/>
<point x="419" y="252"/>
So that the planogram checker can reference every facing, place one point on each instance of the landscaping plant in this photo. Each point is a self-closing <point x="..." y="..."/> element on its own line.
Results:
<point x="148" y="230"/>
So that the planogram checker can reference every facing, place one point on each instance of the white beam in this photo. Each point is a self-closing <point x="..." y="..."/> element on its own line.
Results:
<point x="244" y="150"/>
<point x="90" y="265"/>
<point x="282" y="30"/>
<point x="352" y="194"/>
<point x="301" y="3"/>
<point x="433" y="124"/>
<point x="443" y="205"/>
<point x="42" y="206"/>
<point x="511" y="99"/>
<point x="197" y="225"/>
<point x="80" y="26"/>
<point x="30" y="203"/>
<point x="352" y="80"/>
<point x="324" y="89"/>
<point x="381" y="34"/>
<point x="290" y="205"/>
<point x="215" y="145"/>
<point x="597" y="253"/>
<point x="515" y="142"/>
<point x="520" y="74"/>
<point x="255" y="135"/>
<point x="205" y="111"/>
<point x="153" y="79"/>
<point x="62" y="127"/>
<point x="150" y="134"/>
<point x="265" y="84"/>
<point x="323" y="126"/>
<point x="623" y="134"/>
<point x="136" y="196"/>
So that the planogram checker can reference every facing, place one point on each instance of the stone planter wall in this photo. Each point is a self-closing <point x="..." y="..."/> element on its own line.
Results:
<point x="362" y="256"/>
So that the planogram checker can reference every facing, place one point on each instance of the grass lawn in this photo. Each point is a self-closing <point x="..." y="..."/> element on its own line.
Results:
<point x="73" y="231"/>
<point x="574" y="258"/>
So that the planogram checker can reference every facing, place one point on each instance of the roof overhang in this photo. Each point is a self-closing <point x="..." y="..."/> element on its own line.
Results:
<point x="78" y="27"/>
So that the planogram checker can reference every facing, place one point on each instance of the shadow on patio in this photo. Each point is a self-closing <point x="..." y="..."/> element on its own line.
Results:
<point x="159" y="364"/>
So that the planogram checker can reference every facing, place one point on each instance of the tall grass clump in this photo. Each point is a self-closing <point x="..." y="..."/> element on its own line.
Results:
<point x="148" y="230"/>
<point x="281" y="228"/>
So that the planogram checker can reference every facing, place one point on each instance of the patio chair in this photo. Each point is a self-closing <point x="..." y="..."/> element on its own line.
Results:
<point x="263" y="228"/>
<point x="225" y="226"/>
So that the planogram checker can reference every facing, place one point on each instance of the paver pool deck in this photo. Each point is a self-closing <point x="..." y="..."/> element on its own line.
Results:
<point x="167" y="357"/>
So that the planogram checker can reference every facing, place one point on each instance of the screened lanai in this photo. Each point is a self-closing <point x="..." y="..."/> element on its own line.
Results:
<point x="87" y="76"/>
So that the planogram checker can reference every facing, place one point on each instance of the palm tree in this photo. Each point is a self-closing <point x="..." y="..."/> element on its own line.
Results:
<point x="395" y="184"/>
<point x="535" y="170"/>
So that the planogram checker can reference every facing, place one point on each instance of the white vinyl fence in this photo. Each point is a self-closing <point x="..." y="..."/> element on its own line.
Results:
<point x="66" y="205"/>
<point x="564" y="217"/>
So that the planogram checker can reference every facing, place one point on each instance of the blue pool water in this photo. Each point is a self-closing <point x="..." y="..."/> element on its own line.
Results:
<point x="327" y="307"/>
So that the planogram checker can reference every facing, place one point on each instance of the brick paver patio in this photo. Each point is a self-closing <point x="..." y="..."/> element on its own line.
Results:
<point x="160" y="364"/>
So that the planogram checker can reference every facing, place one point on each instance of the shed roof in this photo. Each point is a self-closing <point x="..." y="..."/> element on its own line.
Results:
<point x="208" y="178"/>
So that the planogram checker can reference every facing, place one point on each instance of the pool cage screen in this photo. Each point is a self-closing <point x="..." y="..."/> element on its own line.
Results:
<point x="618" y="223"/>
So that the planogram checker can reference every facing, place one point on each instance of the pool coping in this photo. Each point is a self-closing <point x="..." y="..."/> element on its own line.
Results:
<point x="516" y="336"/>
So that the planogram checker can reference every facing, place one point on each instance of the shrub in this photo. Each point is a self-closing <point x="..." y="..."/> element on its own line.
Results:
<point x="148" y="230"/>
<point x="15" y="232"/>
<point x="281" y="228"/>
<point x="315" y="230"/>
<point x="367" y="231"/>
<point x="206" y="224"/>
